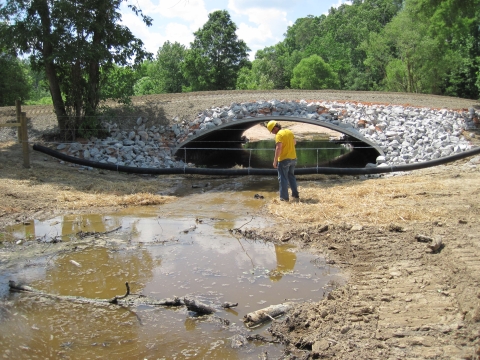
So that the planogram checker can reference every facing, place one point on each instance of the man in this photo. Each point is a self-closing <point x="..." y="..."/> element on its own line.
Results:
<point x="285" y="160"/>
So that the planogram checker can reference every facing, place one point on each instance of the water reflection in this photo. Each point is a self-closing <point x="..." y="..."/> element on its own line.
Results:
<point x="310" y="153"/>
<point x="286" y="259"/>
<point x="180" y="249"/>
<point x="62" y="227"/>
<point x="99" y="272"/>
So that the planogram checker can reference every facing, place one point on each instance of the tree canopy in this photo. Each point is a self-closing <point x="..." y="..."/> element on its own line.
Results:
<point x="15" y="82"/>
<point x="83" y="54"/>
<point x="216" y="54"/>
<point x="168" y="67"/>
<point x="426" y="46"/>
<point x="76" y="43"/>
<point x="313" y="73"/>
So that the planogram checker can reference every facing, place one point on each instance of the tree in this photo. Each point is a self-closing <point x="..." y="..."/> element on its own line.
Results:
<point x="258" y="77"/>
<point x="454" y="24"/>
<point x="408" y="56"/>
<point x="313" y="73"/>
<point x="14" y="80"/>
<point x="146" y="86"/>
<point x="76" y="43"/>
<point x="118" y="83"/>
<point x="168" y="67"/>
<point x="281" y="62"/>
<point x="147" y="81"/>
<point x="216" y="55"/>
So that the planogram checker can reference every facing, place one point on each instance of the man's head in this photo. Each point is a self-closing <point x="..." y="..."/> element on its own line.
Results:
<point x="272" y="124"/>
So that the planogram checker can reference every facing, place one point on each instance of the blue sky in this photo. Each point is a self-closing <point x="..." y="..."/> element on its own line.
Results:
<point x="260" y="23"/>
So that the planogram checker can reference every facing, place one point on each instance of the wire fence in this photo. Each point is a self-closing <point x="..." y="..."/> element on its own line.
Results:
<point x="141" y="142"/>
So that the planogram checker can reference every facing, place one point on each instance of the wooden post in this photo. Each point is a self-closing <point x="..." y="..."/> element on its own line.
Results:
<point x="18" y="107"/>
<point x="23" y="126"/>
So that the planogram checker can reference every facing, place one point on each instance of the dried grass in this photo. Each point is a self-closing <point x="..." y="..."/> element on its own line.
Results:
<point x="67" y="188"/>
<point x="76" y="200"/>
<point x="374" y="201"/>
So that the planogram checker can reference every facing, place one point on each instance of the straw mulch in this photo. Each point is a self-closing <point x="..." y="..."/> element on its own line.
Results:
<point x="372" y="201"/>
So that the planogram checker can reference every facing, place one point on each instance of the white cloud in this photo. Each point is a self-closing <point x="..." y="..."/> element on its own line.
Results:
<point x="180" y="33"/>
<point x="154" y="39"/>
<point x="269" y="4"/>
<point x="338" y="4"/>
<point x="260" y="23"/>
<point x="192" y="12"/>
<point x="266" y="25"/>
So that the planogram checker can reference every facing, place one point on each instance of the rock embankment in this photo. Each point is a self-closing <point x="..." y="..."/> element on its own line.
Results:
<point x="405" y="134"/>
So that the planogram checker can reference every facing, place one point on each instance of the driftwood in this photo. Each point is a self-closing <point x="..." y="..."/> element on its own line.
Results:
<point x="198" y="307"/>
<point x="228" y="305"/>
<point x="269" y="313"/>
<point x="127" y="299"/>
<point x="24" y="288"/>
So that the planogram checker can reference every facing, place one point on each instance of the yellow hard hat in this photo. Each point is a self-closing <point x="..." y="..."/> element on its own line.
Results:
<point x="271" y="124"/>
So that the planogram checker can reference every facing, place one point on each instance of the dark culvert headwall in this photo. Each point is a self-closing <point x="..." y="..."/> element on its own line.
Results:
<point x="221" y="147"/>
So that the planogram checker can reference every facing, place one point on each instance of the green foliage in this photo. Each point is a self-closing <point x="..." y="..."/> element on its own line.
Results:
<point x="279" y="64"/>
<point x="118" y="83"/>
<point x="313" y="73"/>
<point x="89" y="127"/>
<point x="39" y="89"/>
<point x="412" y="55"/>
<point x="47" y="100"/>
<point x="216" y="55"/>
<point x="455" y="25"/>
<point x="168" y="67"/>
<point x="258" y="77"/>
<point x="146" y="86"/>
<point x="15" y="81"/>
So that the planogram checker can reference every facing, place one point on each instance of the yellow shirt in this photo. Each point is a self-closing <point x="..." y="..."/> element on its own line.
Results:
<point x="287" y="139"/>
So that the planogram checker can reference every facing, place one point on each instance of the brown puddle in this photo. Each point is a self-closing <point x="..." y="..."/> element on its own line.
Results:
<point x="180" y="249"/>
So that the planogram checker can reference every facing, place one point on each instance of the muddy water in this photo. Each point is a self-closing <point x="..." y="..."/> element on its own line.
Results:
<point x="180" y="249"/>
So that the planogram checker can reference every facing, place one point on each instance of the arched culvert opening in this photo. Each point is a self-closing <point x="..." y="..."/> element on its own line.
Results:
<point x="222" y="146"/>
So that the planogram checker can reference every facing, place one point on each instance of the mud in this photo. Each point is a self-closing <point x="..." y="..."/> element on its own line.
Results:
<point x="401" y="300"/>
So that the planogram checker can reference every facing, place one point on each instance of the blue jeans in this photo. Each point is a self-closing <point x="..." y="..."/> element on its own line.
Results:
<point x="286" y="177"/>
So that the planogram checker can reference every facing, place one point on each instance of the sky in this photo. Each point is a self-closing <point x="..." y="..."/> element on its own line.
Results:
<point x="260" y="23"/>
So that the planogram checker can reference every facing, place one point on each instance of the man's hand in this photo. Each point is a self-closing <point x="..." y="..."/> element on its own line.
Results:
<point x="278" y="151"/>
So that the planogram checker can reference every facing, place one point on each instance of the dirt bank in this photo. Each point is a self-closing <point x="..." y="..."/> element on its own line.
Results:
<point x="401" y="300"/>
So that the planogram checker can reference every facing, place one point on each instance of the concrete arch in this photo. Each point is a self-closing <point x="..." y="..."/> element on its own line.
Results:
<point x="229" y="136"/>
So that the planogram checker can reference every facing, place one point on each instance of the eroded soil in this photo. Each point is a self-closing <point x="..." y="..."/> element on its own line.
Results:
<point x="401" y="300"/>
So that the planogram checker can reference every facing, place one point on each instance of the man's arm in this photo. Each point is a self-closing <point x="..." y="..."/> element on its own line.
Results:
<point x="278" y="151"/>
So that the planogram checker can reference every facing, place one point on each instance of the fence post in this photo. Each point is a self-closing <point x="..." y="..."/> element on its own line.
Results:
<point x="18" y="107"/>
<point x="23" y="126"/>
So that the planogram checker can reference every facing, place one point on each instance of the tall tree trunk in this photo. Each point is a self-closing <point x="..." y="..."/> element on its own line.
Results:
<point x="93" y="96"/>
<point x="57" y="99"/>
<point x="93" y="85"/>
<point x="50" y="70"/>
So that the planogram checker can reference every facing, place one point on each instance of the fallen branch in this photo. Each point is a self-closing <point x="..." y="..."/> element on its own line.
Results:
<point x="82" y="234"/>
<point x="116" y="298"/>
<point x="258" y="317"/>
<point x="198" y="307"/>
<point x="126" y="300"/>
<point x="228" y="305"/>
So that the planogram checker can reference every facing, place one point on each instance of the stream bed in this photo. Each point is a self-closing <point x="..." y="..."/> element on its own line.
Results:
<point x="185" y="248"/>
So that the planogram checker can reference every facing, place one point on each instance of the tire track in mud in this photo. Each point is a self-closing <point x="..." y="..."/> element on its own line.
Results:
<point x="400" y="301"/>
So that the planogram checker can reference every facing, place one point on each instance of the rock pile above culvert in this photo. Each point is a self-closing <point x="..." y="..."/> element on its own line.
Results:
<point x="406" y="134"/>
